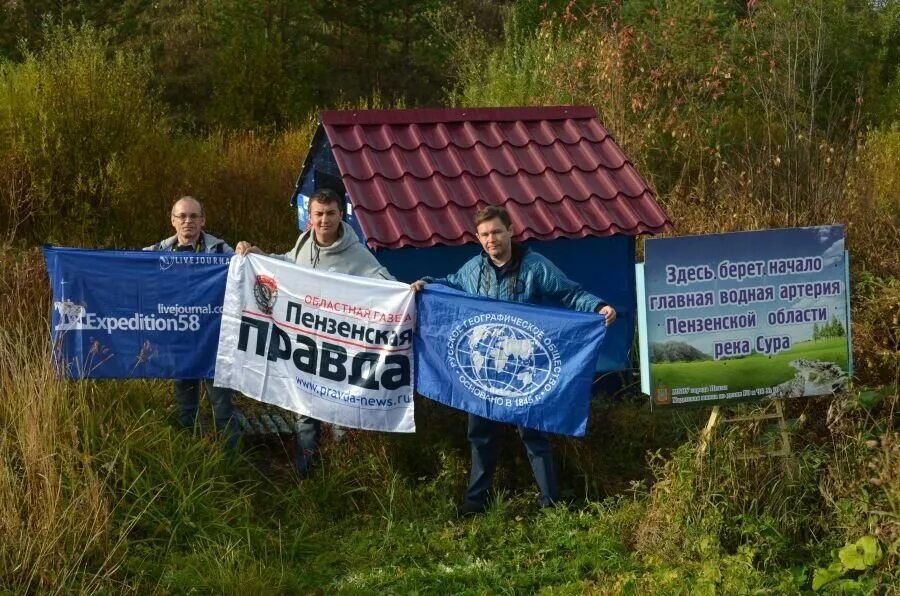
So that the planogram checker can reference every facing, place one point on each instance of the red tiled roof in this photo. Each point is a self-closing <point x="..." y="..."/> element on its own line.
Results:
<point x="417" y="177"/>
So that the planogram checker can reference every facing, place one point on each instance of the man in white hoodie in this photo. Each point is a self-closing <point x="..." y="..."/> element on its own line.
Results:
<point x="328" y="245"/>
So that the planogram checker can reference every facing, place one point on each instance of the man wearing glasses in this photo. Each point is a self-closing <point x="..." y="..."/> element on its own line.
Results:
<point x="188" y="219"/>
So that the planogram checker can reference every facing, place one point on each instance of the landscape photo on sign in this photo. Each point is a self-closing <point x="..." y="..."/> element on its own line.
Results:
<point x="747" y="315"/>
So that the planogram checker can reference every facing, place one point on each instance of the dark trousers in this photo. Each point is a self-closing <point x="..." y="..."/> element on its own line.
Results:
<point x="307" y="434"/>
<point x="187" y="400"/>
<point x="483" y="439"/>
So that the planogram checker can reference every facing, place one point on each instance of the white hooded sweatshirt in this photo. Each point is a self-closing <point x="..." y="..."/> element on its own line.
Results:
<point x="346" y="255"/>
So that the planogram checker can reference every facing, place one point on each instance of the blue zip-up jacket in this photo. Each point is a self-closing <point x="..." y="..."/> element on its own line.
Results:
<point x="527" y="277"/>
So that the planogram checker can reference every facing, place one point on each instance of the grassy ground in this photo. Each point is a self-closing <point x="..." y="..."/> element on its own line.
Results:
<point x="101" y="492"/>
<point x="175" y="514"/>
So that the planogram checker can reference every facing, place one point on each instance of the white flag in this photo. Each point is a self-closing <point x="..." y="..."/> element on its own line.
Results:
<point x="334" y="347"/>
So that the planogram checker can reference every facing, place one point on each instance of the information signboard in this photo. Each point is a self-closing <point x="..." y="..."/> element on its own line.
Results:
<point x="745" y="315"/>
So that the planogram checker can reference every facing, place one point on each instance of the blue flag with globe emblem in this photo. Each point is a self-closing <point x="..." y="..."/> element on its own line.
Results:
<point x="528" y="365"/>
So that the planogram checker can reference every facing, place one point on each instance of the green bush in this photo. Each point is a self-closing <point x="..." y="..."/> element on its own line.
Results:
<point x="87" y="156"/>
<point x="78" y="123"/>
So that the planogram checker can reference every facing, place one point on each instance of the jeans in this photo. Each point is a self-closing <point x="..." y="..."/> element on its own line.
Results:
<point x="307" y="433"/>
<point x="187" y="400"/>
<point x="483" y="439"/>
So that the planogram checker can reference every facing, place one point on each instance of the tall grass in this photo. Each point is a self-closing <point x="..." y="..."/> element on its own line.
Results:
<point x="98" y="489"/>
<point x="55" y="510"/>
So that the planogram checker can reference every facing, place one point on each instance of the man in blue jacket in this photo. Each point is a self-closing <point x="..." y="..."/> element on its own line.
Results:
<point x="513" y="272"/>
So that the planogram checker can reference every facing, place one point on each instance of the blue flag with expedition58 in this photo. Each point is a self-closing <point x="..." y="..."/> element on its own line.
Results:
<point x="528" y="365"/>
<point x="135" y="314"/>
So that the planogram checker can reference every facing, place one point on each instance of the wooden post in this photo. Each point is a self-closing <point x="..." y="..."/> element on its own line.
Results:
<point x="708" y="431"/>
<point x="716" y="417"/>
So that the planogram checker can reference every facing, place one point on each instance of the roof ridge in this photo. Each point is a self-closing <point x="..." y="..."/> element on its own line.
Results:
<point x="435" y="115"/>
<point x="425" y="143"/>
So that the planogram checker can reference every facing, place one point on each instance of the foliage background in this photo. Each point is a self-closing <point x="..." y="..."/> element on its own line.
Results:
<point x="742" y="115"/>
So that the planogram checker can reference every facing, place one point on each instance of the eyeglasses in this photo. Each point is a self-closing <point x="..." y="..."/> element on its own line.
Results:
<point x="188" y="216"/>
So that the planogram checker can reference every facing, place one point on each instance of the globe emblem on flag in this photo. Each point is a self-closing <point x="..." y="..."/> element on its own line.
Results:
<point x="503" y="360"/>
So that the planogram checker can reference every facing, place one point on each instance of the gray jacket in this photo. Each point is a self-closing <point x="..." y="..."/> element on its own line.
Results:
<point x="346" y="255"/>
<point x="211" y="244"/>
